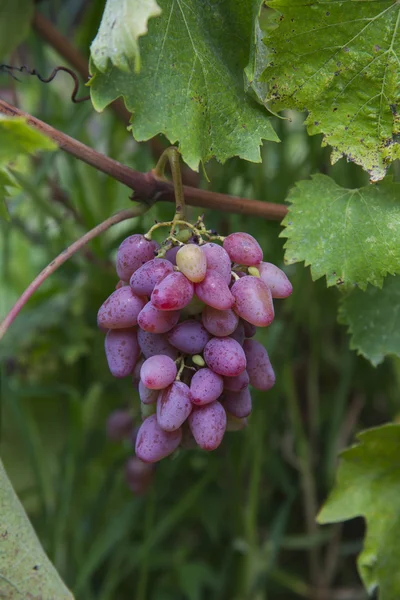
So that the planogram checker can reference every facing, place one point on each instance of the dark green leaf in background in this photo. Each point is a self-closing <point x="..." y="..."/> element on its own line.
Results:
<point x="15" y="20"/>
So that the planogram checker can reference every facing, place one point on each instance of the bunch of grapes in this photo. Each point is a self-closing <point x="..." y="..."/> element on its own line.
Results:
<point x="181" y="323"/>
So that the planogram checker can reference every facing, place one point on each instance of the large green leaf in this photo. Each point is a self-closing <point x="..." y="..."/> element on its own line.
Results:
<point x="25" y="570"/>
<point x="191" y="83"/>
<point x="17" y="137"/>
<point x="368" y="485"/>
<point x="373" y="319"/>
<point x="350" y="235"/>
<point x="15" y="19"/>
<point x="340" y="61"/>
<point x="117" y="40"/>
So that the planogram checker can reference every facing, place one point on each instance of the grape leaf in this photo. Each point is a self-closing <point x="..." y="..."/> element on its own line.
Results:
<point x="17" y="137"/>
<point x="350" y="235"/>
<point x="191" y="83"/>
<point x="373" y="319"/>
<point x="117" y="40"/>
<point x="340" y="61"/>
<point x="15" y="20"/>
<point x="6" y="181"/>
<point x="368" y="485"/>
<point x="25" y="570"/>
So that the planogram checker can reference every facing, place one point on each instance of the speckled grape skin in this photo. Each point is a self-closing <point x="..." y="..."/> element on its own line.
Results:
<point x="158" y="372"/>
<point x="146" y="395"/>
<point x="238" y="383"/>
<point x="153" y="320"/>
<point x="225" y="356"/>
<point x="238" y="403"/>
<point x="173" y="406"/>
<point x="259" y="367"/>
<point x="134" y="251"/>
<point x="189" y="337"/>
<point x="253" y="301"/>
<point x="238" y="334"/>
<point x="243" y="249"/>
<point x="214" y="291"/>
<point x="192" y="262"/>
<point x="120" y="310"/>
<point x="218" y="260"/>
<point x="155" y="343"/>
<point x="153" y="443"/>
<point x="172" y="293"/>
<point x="205" y="387"/>
<point x="148" y="275"/>
<point x="122" y="351"/>
<point x="275" y="279"/>
<point x="220" y="323"/>
<point x="208" y="425"/>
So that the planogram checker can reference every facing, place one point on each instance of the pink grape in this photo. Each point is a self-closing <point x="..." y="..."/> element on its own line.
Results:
<point x="225" y="356"/>
<point x="158" y="372"/>
<point x="218" y="260"/>
<point x="235" y="424"/>
<point x="153" y="320"/>
<point x="275" y="279"/>
<point x="214" y="291"/>
<point x="155" y="343"/>
<point x="138" y="366"/>
<point x="120" y="310"/>
<point x="138" y="475"/>
<point x="134" y="251"/>
<point x="249" y="329"/>
<point x="205" y="387"/>
<point x="192" y="262"/>
<point x="171" y="254"/>
<point x="189" y="337"/>
<point x="219" y="322"/>
<point x="208" y="425"/>
<point x="122" y="351"/>
<point x="148" y="275"/>
<point x="172" y="293"/>
<point x="259" y="367"/>
<point x="173" y="406"/>
<point x="119" y="424"/>
<point x="238" y="383"/>
<point x="238" y="403"/>
<point x="253" y="301"/>
<point x="153" y="443"/>
<point x="243" y="249"/>
<point x="238" y="334"/>
<point x="146" y="395"/>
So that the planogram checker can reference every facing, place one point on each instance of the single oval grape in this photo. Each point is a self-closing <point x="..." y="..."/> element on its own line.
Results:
<point x="259" y="367"/>
<point x="119" y="425"/>
<point x="214" y="291"/>
<point x="250" y="330"/>
<point x="153" y="320"/>
<point x="220" y="323"/>
<point x="218" y="260"/>
<point x="153" y="443"/>
<point x="155" y="343"/>
<point x="253" y="301"/>
<point x="238" y="334"/>
<point x="238" y="404"/>
<point x="138" y="475"/>
<point x="238" y="383"/>
<point x="205" y="387"/>
<point x="172" y="293"/>
<point x="147" y="396"/>
<point x="158" y="372"/>
<point x="122" y="351"/>
<point x="173" y="406"/>
<point x="120" y="310"/>
<point x="189" y="337"/>
<point x="144" y="280"/>
<point x="243" y="249"/>
<point x="134" y="251"/>
<point x="208" y="425"/>
<point x="275" y="279"/>
<point x="192" y="262"/>
<point x="225" y="356"/>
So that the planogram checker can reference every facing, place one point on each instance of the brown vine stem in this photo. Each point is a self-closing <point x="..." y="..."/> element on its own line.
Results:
<point x="123" y="215"/>
<point x="146" y="186"/>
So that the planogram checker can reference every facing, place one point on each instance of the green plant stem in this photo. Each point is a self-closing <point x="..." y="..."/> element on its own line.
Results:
<point x="172" y="155"/>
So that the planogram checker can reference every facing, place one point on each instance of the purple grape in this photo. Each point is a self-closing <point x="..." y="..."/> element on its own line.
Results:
<point x="214" y="291"/>
<point x="225" y="356"/>
<point x="238" y="383"/>
<point x="205" y="387"/>
<point x="155" y="343"/>
<point x="153" y="320"/>
<point x="122" y="351"/>
<point x="259" y="367"/>
<point x="238" y="334"/>
<point x="120" y="310"/>
<point x="250" y="330"/>
<point x="138" y="475"/>
<point x="238" y="403"/>
<point x="189" y="337"/>
<point x="146" y="395"/>
<point x="134" y="251"/>
<point x="119" y="425"/>
<point x="170" y="254"/>
<point x="275" y="279"/>
<point x="218" y="260"/>
<point x="138" y="366"/>
<point x="172" y="293"/>
<point x="243" y="249"/>
<point x="253" y="301"/>
<point x="173" y="406"/>
<point x="153" y="443"/>
<point x="220" y="323"/>
<point x="208" y="425"/>
<point x="144" y="280"/>
<point x="158" y="372"/>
